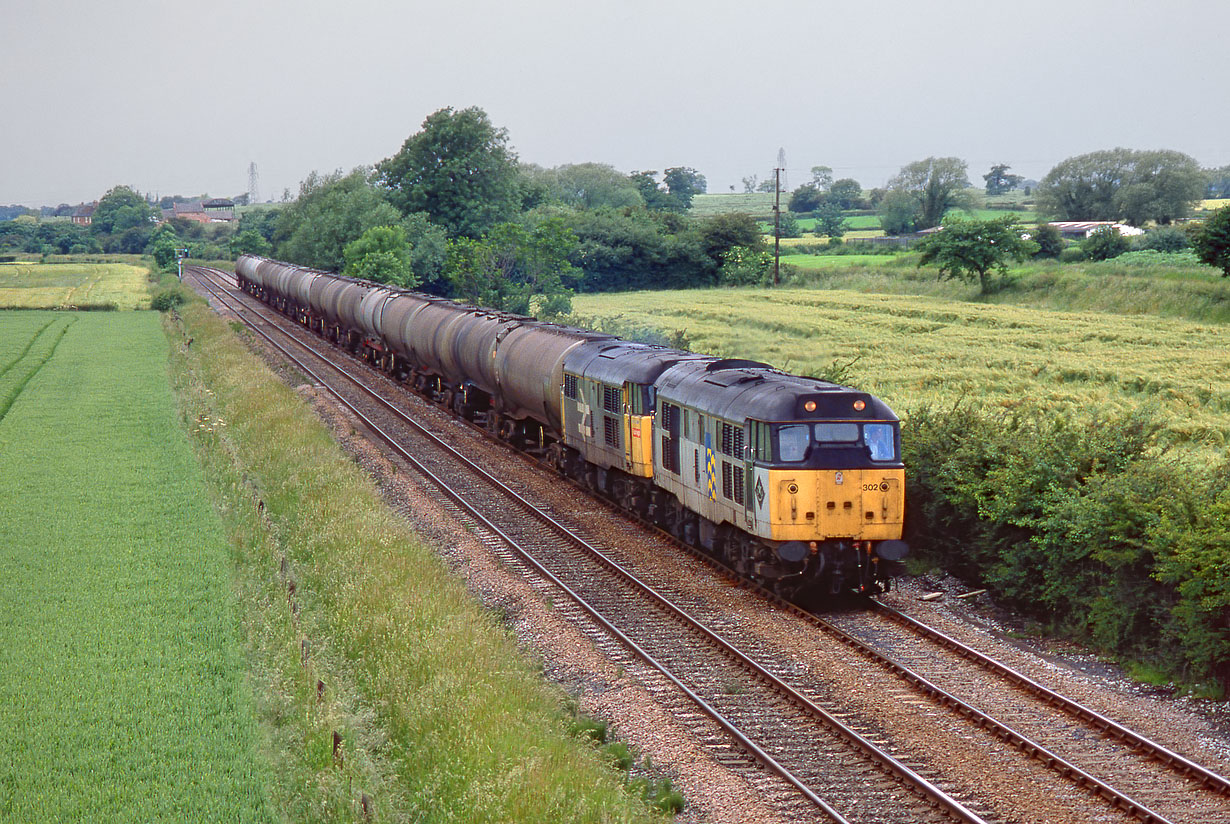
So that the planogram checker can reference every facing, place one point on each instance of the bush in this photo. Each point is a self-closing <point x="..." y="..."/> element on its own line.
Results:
<point x="1080" y="525"/>
<point x="1050" y="242"/>
<point x="1073" y="254"/>
<point x="165" y="299"/>
<point x="1104" y="243"/>
<point x="1164" y="239"/>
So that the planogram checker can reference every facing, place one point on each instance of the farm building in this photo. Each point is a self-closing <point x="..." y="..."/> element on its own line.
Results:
<point x="1081" y="229"/>
<point x="83" y="215"/>
<point x="216" y="210"/>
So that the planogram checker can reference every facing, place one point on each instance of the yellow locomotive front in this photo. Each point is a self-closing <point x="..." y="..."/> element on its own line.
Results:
<point x="796" y="482"/>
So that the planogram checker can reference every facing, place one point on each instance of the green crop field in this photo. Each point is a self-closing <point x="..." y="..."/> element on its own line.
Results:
<point x="121" y="689"/>
<point x="914" y="350"/>
<point x="73" y="285"/>
<point x="811" y="262"/>
<point x="754" y="203"/>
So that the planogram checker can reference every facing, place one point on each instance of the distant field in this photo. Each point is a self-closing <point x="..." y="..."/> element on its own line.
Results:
<point x="69" y="285"/>
<point x="754" y="203"/>
<point x="913" y="350"/>
<point x="121" y="687"/>
<point x="835" y="261"/>
<point x="1215" y="204"/>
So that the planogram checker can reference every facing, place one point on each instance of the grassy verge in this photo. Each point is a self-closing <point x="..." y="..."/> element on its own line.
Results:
<point x="121" y="688"/>
<point x="386" y="687"/>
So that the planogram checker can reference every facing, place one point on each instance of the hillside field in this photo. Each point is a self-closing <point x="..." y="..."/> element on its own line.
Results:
<point x="914" y="350"/>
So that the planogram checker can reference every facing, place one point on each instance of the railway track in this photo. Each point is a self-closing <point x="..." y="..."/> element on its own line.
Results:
<point x="758" y="726"/>
<point x="834" y="771"/>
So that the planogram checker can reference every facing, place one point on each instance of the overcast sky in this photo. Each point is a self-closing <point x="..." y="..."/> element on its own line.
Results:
<point x="178" y="98"/>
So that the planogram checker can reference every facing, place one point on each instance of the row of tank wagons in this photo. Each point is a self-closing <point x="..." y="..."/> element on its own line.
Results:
<point x="510" y="362"/>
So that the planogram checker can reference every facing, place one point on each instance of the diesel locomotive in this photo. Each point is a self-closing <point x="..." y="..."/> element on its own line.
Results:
<point x="795" y="482"/>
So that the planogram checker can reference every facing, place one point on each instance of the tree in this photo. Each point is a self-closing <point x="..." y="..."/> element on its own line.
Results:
<point x="682" y="183"/>
<point x="1050" y="242"/>
<point x="458" y="169"/>
<point x="788" y="226"/>
<point x="935" y="185"/>
<point x="750" y="184"/>
<point x="768" y="185"/>
<point x="1212" y="241"/>
<point x="381" y="254"/>
<point x="428" y="250"/>
<point x="586" y="185"/>
<point x="999" y="181"/>
<point x="120" y="209"/>
<point x="806" y="198"/>
<point x="1218" y="183"/>
<point x="656" y="198"/>
<point x="821" y="177"/>
<point x="964" y="249"/>
<point x="1164" y="239"/>
<point x="1104" y="243"/>
<point x="1122" y="184"/>
<point x="829" y="221"/>
<point x="898" y="212"/>
<point x="163" y="247"/>
<point x="331" y="211"/>
<point x="250" y="242"/>
<point x="846" y="192"/>
<point x="514" y="269"/>
<point x="1164" y="186"/>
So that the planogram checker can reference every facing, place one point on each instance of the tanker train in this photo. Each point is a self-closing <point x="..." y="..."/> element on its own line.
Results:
<point x="795" y="482"/>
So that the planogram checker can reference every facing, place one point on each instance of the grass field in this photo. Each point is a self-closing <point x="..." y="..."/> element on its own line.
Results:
<point x="73" y="285"/>
<point x="121" y="689"/>
<point x="914" y="350"/>
<point x="810" y="262"/>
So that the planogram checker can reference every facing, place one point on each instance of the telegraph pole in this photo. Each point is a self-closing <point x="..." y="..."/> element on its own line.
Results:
<point x="777" y="223"/>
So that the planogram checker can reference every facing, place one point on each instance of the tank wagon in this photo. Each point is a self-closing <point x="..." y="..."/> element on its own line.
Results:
<point x="793" y="481"/>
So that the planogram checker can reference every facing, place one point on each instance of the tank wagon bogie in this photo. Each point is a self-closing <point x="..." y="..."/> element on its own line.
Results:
<point x="792" y="481"/>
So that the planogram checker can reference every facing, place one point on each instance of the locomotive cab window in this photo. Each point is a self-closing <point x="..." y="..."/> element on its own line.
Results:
<point x="836" y="433"/>
<point x="879" y="440"/>
<point x="642" y="399"/>
<point x="795" y="441"/>
<point x="792" y="441"/>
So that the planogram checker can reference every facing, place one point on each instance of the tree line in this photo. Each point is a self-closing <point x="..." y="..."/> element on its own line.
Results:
<point x="455" y="213"/>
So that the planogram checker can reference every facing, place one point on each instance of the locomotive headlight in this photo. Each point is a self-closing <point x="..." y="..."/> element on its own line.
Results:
<point x="859" y="405"/>
<point x="810" y="406"/>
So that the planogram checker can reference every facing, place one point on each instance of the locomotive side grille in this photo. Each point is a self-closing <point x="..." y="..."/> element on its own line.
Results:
<point x="669" y="461"/>
<point x="611" y="400"/>
<point x="732" y="441"/>
<point x="570" y="386"/>
<point x="610" y="427"/>
<point x="727" y="480"/>
<point x="738" y="484"/>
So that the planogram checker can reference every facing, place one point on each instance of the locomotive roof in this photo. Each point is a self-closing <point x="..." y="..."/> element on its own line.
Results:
<point x="614" y="361"/>
<point x="739" y="389"/>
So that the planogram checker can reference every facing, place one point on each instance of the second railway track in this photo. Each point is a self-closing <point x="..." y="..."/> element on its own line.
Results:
<point x="787" y="727"/>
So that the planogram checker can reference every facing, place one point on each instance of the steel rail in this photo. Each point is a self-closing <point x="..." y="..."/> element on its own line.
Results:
<point x="1213" y="781"/>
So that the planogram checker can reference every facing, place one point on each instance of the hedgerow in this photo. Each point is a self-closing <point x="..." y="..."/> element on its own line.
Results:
<point x="1084" y="525"/>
